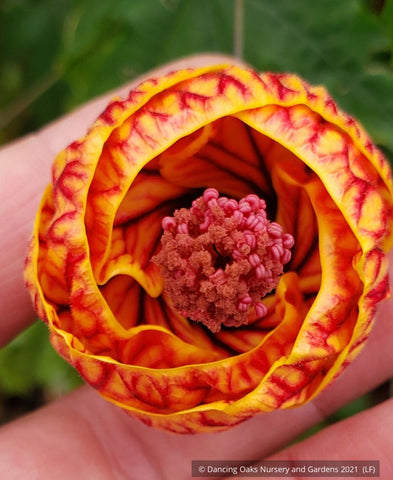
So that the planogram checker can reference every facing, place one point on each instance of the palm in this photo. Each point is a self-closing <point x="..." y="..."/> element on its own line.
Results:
<point x="85" y="437"/>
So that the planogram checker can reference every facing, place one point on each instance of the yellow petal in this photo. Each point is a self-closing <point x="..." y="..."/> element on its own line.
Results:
<point x="89" y="268"/>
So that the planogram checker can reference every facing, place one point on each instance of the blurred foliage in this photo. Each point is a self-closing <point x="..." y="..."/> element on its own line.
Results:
<point x="56" y="54"/>
<point x="32" y="373"/>
<point x="22" y="370"/>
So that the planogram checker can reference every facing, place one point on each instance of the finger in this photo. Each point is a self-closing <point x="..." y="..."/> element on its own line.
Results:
<point x="90" y="431"/>
<point x="267" y="433"/>
<point x="69" y="440"/>
<point x="85" y="437"/>
<point x="24" y="173"/>
<point x="365" y="436"/>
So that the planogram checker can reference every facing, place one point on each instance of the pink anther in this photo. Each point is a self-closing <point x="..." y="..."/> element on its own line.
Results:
<point x="244" y="303"/>
<point x="250" y="239"/>
<point x="230" y="206"/>
<point x="242" y="307"/>
<point x="206" y="223"/>
<point x="260" y="226"/>
<point x="244" y="206"/>
<point x="218" y="277"/>
<point x="252" y="221"/>
<point x="212" y="203"/>
<point x="239" y="218"/>
<point x="182" y="228"/>
<point x="237" y="255"/>
<point x="260" y="309"/>
<point x="275" y="229"/>
<point x="254" y="259"/>
<point x="246" y="299"/>
<point x="222" y="201"/>
<point x="260" y="271"/>
<point x="209" y="194"/>
<point x="287" y="240"/>
<point x="286" y="256"/>
<point x="253" y="201"/>
<point x="168" y="222"/>
<point x="277" y="252"/>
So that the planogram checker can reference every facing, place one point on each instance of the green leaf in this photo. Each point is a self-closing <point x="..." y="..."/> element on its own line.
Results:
<point x="311" y="38"/>
<point x="387" y="17"/>
<point x="30" y="362"/>
<point x="340" y="44"/>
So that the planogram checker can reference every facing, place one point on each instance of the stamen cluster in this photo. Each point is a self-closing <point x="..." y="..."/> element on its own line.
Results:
<point x="221" y="257"/>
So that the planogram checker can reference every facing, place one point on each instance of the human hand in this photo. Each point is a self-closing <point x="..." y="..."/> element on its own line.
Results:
<point x="86" y="437"/>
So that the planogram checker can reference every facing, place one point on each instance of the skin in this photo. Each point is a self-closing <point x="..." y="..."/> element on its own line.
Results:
<point x="83" y="436"/>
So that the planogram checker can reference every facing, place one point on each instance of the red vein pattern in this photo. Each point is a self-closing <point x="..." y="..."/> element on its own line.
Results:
<point x="89" y="268"/>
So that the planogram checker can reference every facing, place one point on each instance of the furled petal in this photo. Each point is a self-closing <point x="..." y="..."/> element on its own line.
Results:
<point x="89" y="267"/>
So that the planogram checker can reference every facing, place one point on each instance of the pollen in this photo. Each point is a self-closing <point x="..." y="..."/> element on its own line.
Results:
<point x="220" y="257"/>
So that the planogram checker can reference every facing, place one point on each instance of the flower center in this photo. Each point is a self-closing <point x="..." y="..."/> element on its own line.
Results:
<point x="220" y="258"/>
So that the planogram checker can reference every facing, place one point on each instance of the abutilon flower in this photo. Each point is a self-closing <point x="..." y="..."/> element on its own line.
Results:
<point x="214" y="247"/>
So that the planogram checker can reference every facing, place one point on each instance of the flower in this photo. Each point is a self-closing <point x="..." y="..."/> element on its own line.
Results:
<point x="202" y="185"/>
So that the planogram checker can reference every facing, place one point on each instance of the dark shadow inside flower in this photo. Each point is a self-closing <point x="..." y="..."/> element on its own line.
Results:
<point x="123" y="243"/>
<point x="237" y="160"/>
